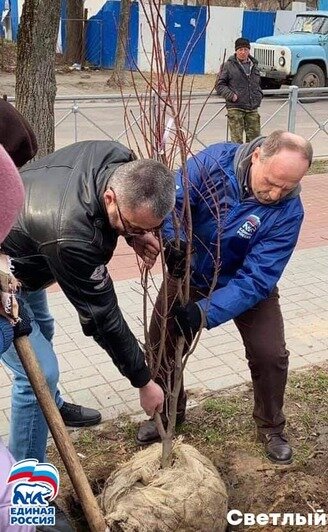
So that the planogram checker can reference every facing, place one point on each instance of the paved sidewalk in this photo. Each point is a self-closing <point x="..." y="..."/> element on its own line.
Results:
<point x="89" y="377"/>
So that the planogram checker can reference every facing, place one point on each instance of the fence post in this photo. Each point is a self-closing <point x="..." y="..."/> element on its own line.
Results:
<point x="75" y="110"/>
<point x="227" y="127"/>
<point x="292" y="108"/>
<point x="84" y="38"/>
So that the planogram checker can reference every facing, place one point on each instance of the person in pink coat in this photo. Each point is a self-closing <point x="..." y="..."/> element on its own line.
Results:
<point x="11" y="201"/>
<point x="20" y="142"/>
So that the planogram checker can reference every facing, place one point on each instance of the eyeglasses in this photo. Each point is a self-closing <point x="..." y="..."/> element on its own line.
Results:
<point x="130" y="229"/>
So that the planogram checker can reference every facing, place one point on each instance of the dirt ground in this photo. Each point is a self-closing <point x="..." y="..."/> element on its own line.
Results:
<point x="221" y="427"/>
<point x="87" y="81"/>
<point x="95" y="82"/>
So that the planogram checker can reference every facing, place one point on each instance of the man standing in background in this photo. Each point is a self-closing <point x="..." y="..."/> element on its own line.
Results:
<point x="239" y="83"/>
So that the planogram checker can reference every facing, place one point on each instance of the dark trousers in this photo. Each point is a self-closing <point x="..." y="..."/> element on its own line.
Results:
<point x="262" y="332"/>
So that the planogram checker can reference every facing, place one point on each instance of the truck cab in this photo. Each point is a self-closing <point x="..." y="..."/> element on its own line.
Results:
<point x="299" y="57"/>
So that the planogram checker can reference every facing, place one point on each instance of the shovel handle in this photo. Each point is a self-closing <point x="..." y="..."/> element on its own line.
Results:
<point x="60" y="435"/>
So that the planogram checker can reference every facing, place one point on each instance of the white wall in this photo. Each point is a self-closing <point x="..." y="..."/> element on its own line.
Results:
<point x="284" y="21"/>
<point x="20" y="7"/>
<point x="93" y="6"/>
<point x="224" y="27"/>
<point x="299" y="6"/>
<point x="145" y="38"/>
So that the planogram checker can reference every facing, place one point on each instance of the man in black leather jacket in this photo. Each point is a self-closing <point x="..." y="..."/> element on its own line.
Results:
<point x="78" y="201"/>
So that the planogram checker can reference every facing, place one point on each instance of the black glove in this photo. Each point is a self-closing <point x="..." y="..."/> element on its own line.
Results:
<point x="23" y="327"/>
<point x="188" y="319"/>
<point x="175" y="259"/>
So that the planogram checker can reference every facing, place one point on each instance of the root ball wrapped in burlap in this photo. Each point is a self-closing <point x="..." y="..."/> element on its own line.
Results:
<point x="190" y="496"/>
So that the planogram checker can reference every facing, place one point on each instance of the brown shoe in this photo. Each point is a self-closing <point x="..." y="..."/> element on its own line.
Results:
<point x="277" y="448"/>
<point x="148" y="432"/>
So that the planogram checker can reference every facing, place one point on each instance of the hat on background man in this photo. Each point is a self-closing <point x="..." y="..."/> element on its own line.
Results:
<point x="242" y="43"/>
<point x="16" y="134"/>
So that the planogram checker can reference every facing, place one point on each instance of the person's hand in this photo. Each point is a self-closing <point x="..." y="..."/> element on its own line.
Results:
<point x="175" y="259"/>
<point x="23" y="326"/>
<point x="188" y="320"/>
<point x="151" y="398"/>
<point x="147" y="247"/>
<point x="235" y="98"/>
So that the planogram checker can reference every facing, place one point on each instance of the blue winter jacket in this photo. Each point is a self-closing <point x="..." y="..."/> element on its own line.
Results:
<point x="256" y="240"/>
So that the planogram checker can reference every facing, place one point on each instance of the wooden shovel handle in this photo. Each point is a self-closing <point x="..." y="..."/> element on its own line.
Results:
<point x="60" y="435"/>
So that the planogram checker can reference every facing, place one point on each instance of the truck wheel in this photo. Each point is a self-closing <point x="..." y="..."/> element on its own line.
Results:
<point x="309" y="76"/>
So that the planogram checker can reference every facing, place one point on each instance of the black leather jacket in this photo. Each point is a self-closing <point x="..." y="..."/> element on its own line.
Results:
<point x="63" y="234"/>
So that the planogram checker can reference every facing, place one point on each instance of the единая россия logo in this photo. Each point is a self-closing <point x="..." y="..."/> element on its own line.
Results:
<point x="34" y="485"/>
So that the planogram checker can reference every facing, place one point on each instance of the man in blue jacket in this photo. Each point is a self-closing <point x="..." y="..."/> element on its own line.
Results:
<point x="246" y="217"/>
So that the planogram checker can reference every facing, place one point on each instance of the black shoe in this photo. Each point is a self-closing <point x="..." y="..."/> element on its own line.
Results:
<point x="148" y="432"/>
<point x="277" y="448"/>
<point x="79" y="416"/>
<point x="62" y="524"/>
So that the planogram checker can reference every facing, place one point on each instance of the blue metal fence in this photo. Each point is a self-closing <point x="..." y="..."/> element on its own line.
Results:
<point x="185" y="38"/>
<point x="13" y="6"/>
<point x="101" y="37"/>
<point x="258" y="24"/>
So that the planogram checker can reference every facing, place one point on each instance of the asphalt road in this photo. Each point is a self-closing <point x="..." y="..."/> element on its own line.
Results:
<point x="108" y="116"/>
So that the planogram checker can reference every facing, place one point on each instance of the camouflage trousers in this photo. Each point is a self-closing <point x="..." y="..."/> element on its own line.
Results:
<point x="240" y="120"/>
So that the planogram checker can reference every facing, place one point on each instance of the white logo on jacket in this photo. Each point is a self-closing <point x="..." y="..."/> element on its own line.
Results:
<point x="249" y="226"/>
<point x="100" y="274"/>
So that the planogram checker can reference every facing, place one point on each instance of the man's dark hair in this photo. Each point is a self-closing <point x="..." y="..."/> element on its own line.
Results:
<point x="145" y="182"/>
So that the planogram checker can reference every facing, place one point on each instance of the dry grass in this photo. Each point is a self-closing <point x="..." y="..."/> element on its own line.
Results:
<point x="319" y="166"/>
<point x="221" y="427"/>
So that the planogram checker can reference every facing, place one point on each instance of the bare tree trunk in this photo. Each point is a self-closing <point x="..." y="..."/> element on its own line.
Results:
<point x="74" y="15"/>
<point x="283" y="4"/>
<point x="118" y="75"/>
<point x="35" y="73"/>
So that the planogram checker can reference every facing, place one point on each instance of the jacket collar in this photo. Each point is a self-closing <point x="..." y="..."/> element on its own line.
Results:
<point x="242" y="165"/>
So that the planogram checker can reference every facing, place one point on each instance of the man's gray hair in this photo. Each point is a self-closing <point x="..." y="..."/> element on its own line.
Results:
<point x="145" y="182"/>
<point x="280" y="140"/>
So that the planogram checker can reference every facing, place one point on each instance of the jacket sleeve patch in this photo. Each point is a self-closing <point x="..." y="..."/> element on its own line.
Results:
<point x="249" y="226"/>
